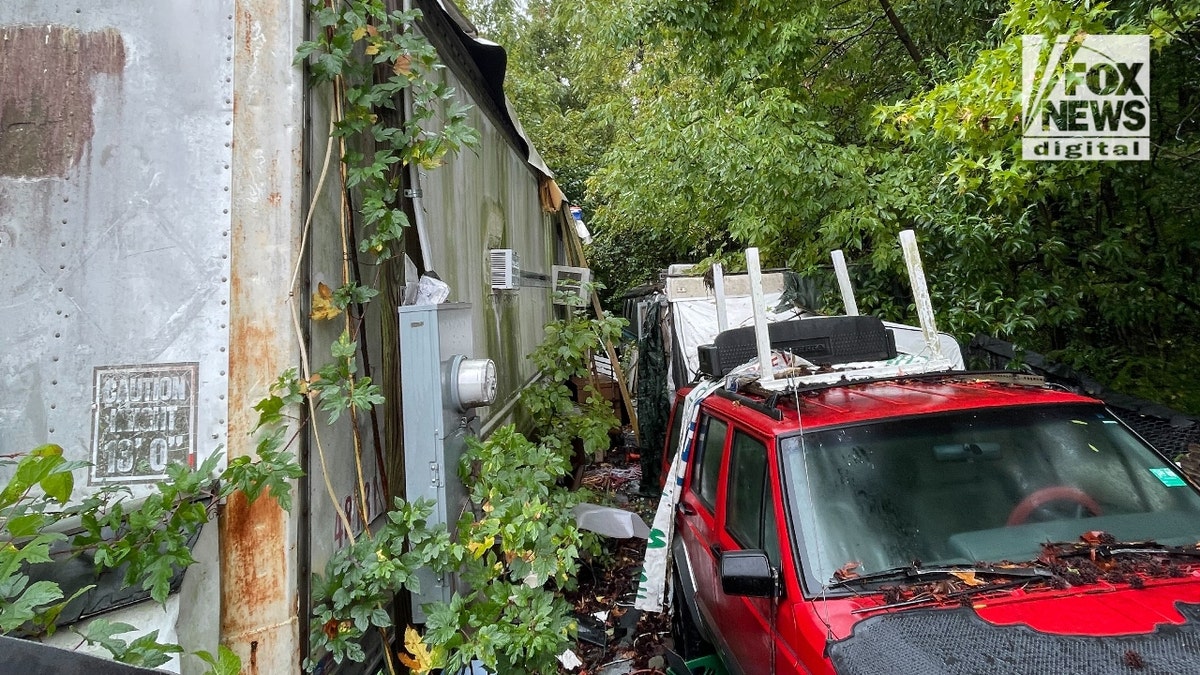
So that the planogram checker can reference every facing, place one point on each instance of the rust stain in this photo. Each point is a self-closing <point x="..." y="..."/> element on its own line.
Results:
<point x="246" y="28"/>
<point x="46" y="95"/>
<point x="253" y="536"/>
<point x="253" y="347"/>
<point x="274" y="198"/>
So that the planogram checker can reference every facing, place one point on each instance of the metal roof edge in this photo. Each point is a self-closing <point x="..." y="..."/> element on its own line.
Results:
<point x="490" y="61"/>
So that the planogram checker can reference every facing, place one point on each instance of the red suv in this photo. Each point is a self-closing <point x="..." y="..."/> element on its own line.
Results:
<point x="946" y="522"/>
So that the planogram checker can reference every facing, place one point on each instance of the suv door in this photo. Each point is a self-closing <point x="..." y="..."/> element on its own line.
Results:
<point x="696" y="522"/>
<point x="747" y="521"/>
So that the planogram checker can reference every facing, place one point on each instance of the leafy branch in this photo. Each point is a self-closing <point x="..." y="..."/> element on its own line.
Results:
<point x="151" y="541"/>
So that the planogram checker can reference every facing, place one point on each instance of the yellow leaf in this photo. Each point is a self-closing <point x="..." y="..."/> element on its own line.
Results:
<point x="359" y="33"/>
<point x="421" y="660"/>
<point x="47" y="450"/>
<point x="372" y="50"/>
<point x="322" y="304"/>
<point x="478" y="548"/>
<point x="968" y="578"/>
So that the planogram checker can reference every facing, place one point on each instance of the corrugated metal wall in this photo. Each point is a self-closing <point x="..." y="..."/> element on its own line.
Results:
<point x="484" y="197"/>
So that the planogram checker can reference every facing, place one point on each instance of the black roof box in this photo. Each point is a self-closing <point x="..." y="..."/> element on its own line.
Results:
<point x="823" y="340"/>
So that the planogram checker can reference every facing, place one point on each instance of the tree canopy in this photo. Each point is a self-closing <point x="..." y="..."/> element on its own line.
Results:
<point x="689" y="131"/>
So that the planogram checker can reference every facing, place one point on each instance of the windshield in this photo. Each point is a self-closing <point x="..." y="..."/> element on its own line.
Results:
<point x="982" y="485"/>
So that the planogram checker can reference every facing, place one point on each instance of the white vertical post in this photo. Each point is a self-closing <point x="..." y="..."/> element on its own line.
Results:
<point x="916" y="278"/>
<point x="761" y="338"/>
<point x="719" y="291"/>
<point x="843" y="279"/>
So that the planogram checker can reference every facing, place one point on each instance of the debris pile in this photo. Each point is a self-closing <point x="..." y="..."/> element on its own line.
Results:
<point x="613" y="637"/>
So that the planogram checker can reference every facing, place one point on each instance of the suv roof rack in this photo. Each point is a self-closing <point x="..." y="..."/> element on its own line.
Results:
<point x="770" y="398"/>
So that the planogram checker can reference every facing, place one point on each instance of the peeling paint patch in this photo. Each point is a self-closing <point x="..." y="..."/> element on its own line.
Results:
<point x="46" y="95"/>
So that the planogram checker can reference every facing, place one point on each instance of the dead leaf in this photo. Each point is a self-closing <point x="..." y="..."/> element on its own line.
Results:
<point x="847" y="571"/>
<point x="968" y="577"/>
<point x="403" y="65"/>
<point x="322" y="304"/>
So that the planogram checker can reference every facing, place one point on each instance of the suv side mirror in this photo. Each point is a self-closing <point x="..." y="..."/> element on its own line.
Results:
<point x="747" y="573"/>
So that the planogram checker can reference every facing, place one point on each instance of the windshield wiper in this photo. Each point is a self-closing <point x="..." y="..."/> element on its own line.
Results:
<point x="916" y="573"/>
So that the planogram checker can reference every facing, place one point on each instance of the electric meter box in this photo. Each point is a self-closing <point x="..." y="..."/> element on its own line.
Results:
<point x="441" y="386"/>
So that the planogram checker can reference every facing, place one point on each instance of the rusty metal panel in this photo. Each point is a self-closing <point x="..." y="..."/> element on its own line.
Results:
<point x="258" y="587"/>
<point x="115" y="153"/>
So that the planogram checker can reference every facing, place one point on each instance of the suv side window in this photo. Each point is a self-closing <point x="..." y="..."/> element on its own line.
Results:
<point x="706" y="468"/>
<point x="749" y="511"/>
<point x="673" y="433"/>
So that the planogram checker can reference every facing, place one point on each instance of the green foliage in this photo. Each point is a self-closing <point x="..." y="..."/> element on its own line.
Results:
<point x="512" y="548"/>
<point x="29" y="504"/>
<point x="224" y="663"/>
<point x="802" y="127"/>
<point x="373" y="57"/>
<point x="150" y="541"/>
<point x="144" y="651"/>
<point x="336" y="385"/>
<point x="565" y="356"/>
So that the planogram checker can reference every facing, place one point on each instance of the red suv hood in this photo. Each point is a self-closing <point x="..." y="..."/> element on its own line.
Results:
<point x="1094" y="629"/>
<point x="1100" y="609"/>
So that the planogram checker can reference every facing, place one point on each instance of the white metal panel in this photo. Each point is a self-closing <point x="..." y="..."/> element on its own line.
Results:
<point x="114" y="229"/>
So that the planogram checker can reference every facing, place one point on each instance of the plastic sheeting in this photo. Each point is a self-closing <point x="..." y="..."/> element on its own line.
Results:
<point x="653" y="401"/>
<point x="695" y="323"/>
<point x="653" y="582"/>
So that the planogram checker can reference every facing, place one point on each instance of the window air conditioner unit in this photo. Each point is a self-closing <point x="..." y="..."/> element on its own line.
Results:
<point x="506" y="269"/>
<point x="571" y="280"/>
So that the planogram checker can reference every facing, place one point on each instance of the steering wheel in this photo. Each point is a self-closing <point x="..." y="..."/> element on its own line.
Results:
<point x="1055" y="493"/>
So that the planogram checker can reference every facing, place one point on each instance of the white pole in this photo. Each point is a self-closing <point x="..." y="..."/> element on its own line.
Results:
<point x="916" y="278"/>
<point x="719" y="290"/>
<point x="761" y="337"/>
<point x="843" y="278"/>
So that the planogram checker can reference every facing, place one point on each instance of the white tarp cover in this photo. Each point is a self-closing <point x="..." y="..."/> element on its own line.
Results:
<point x="695" y="323"/>
<point x="910" y="340"/>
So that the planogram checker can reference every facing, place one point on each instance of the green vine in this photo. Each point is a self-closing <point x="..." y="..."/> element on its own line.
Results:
<point x="371" y="57"/>
<point x="150" y="541"/>
<point x="515" y="549"/>
<point x="565" y="357"/>
<point x="516" y="546"/>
